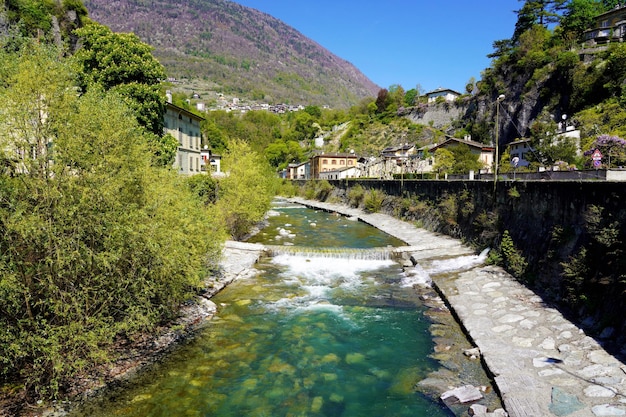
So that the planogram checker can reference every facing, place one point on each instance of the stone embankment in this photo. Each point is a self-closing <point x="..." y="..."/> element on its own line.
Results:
<point x="542" y="364"/>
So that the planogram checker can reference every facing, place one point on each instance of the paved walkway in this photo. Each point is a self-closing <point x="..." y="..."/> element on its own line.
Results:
<point x="543" y="364"/>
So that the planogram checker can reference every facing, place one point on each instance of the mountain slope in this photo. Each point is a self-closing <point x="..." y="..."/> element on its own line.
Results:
<point x="237" y="50"/>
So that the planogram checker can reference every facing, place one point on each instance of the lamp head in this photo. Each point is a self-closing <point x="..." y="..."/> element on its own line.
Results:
<point x="500" y="97"/>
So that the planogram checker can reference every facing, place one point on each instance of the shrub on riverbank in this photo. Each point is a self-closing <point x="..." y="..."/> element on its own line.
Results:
<point x="96" y="244"/>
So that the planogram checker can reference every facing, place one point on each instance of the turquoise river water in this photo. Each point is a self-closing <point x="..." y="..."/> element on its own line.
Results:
<point x="311" y="335"/>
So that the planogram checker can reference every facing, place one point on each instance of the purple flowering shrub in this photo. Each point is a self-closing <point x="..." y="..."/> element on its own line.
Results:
<point x="613" y="149"/>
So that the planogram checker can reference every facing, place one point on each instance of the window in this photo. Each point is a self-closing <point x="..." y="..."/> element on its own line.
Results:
<point x="350" y="162"/>
<point x="342" y="162"/>
<point x="334" y="162"/>
<point x="605" y="24"/>
<point x="325" y="161"/>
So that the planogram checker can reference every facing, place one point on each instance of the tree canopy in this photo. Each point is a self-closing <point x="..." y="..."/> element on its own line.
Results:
<point x="121" y="62"/>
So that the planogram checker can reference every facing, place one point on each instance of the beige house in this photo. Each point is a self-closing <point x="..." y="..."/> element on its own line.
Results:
<point x="331" y="162"/>
<point x="185" y="127"/>
<point x="484" y="152"/>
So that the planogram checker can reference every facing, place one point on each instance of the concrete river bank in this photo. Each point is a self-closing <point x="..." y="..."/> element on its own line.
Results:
<point x="542" y="364"/>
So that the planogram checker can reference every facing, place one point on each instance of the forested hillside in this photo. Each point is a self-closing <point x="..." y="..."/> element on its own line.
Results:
<point x="237" y="50"/>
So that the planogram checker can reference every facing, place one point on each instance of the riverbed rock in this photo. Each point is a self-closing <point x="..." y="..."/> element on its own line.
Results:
<point x="478" y="410"/>
<point x="465" y="394"/>
<point x="473" y="353"/>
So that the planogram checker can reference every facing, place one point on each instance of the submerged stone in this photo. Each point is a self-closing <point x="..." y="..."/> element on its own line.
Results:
<point x="317" y="404"/>
<point x="353" y="358"/>
<point x="141" y="397"/>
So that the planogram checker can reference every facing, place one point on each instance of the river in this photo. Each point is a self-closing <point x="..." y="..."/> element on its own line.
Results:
<point x="324" y="329"/>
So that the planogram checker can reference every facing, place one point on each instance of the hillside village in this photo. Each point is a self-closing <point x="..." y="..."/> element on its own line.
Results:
<point x="412" y="161"/>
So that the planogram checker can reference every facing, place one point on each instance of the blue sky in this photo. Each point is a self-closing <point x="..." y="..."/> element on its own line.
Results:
<point x="437" y="43"/>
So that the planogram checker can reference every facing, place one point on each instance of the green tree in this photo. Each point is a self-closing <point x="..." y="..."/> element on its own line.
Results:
<point x="204" y="187"/>
<point x="246" y="192"/>
<point x="282" y="153"/>
<point x="464" y="160"/>
<point x="396" y="97"/>
<point x="579" y="16"/>
<point x="314" y="111"/>
<point x="444" y="161"/>
<point x="120" y="61"/>
<point x="305" y="126"/>
<point x="537" y="12"/>
<point x="410" y="97"/>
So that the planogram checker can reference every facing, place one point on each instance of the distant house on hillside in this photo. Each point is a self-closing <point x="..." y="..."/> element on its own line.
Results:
<point x="211" y="163"/>
<point x="297" y="171"/>
<point x="609" y="27"/>
<point x="185" y="126"/>
<point x="446" y="93"/>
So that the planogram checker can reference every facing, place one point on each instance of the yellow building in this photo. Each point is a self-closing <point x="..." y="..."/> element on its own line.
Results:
<point x="331" y="162"/>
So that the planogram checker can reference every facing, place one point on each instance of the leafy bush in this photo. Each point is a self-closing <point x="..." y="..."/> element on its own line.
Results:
<point x="574" y="274"/>
<point x="514" y="262"/>
<point x="356" y="195"/>
<point x="287" y="188"/>
<point x="98" y="244"/>
<point x="246" y="192"/>
<point x="373" y="201"/>
<point x="322" y="190"/>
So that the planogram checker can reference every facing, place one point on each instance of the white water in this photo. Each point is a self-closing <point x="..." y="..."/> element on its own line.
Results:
<point x="458" y="264"/>
<point x="310" y="281"/>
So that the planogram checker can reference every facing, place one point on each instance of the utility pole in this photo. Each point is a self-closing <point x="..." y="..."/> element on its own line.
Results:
<point x="495" y="162"/>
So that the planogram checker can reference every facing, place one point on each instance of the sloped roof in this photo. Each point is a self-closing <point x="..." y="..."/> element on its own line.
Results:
<point x="443" y="90"/>
<point x="470" y="143"/>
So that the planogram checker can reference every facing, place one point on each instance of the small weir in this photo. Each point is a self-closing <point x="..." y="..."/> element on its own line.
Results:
<point x="377" y="254"/>
<point x="320" y="331"/>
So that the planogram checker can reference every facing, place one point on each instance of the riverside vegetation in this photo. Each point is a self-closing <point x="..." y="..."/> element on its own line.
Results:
<point x="101" y="241"/>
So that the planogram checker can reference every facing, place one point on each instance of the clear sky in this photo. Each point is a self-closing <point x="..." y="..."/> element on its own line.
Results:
<point x="436" y="43"/>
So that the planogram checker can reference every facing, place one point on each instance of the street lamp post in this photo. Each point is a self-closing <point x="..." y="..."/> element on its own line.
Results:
<point x="495" y="162"/>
